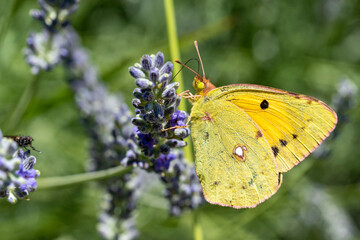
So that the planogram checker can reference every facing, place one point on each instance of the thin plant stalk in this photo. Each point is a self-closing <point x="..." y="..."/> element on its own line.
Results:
<point x="64" y="181"/>
<point x="175" y="54"/>
<point x="16" y="115"/>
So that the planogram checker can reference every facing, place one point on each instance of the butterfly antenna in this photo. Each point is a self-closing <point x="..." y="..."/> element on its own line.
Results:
<point x="198" y="52"/>
<point x="177" y="61"/>
<point x="183" y="66"/>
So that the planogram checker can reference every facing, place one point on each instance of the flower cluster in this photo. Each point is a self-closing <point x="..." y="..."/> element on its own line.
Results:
<point x="160" y="126"/>
<point x="182" y="187"/>
<point x="54" y="14"/>
<point x="46" y="49"/>
<point x="115" y="208"/>
<point x="17" y="173"/>
<point x="108" y="122"/>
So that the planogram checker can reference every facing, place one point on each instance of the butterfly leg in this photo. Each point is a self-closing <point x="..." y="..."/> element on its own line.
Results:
<point x="176" y="127"/>
<point x="188" y="95"/>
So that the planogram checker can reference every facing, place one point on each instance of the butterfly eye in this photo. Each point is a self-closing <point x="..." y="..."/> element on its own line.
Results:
<point x="200" y="85"/>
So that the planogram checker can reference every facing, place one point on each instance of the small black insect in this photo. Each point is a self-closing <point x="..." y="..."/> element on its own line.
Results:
<point x="23" y="141"/>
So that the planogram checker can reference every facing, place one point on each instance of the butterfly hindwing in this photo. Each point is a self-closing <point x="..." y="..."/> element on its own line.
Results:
<point x="293" y="124"/>
<point x="234" y="163"/>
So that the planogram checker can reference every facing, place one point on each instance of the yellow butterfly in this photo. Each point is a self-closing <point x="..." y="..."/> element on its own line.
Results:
<point x="245" y="136"/>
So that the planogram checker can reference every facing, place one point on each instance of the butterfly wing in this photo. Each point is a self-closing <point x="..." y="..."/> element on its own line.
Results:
<point x="235" y="166"/>
<point x="293" y="124"/>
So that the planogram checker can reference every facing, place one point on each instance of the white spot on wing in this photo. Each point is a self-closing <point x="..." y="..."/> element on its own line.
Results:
<point x="239" y="152"/>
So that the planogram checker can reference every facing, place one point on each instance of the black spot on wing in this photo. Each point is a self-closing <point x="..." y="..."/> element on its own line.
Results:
<point x="224" y="89"/>
<point x="264" y="104"/>
<point x="283" y="142"/>
<point x="294" y="136"/>
<point x="279" y="178"/>
<point x="275" y="150"/>
<point x="258" y="134"/>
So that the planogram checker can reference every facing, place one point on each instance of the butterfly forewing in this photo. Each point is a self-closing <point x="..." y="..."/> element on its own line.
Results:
<point x="293" y="124"/>
<point x="233" y="160"/>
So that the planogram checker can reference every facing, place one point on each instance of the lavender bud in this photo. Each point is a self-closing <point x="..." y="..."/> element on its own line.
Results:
<point x="154" y="74"/>
<point x="176" y="143"/>
<point x="167" y="68"/>
<point x="165" y="77"/>
<point x="145" y="129"/>
<point x="137" y="121"/>
<point x="170" y="101"/>
<point x="165" y="149"/>
<point x="149" y="107"/>
<point x="137" y="93"/>
<point x="136" y="72"/>
<point x="182" y="115"/>
<point x="174" y="85"/>
<point x="37" y="14"/>
<point x="30" y="41"/>
<point x="4" y="193"/>
<point x="177" y="103"/>
<point x="131" y="144"/>
<point x="150" y="118"/>
<point x="182" y="132"/>
<point x="169" y="111"/>
<point x="148" y="96"/>
<point x="130" y="154"/>
<point x="144" y="83"/>
<point x="136" y="103"/>
<point x="169" y="93"/>
<point x="159" y="59"/>
<point x="158" y="111"/>
<point x="146" y="62"/>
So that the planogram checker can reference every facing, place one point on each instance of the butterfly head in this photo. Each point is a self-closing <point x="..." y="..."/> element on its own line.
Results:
<point x="202" y="85"/>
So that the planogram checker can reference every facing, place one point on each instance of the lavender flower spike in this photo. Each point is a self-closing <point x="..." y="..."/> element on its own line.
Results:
<point x="17" y="173"/>
<point x="156" y="105"/>
<point x="161" y="128"/>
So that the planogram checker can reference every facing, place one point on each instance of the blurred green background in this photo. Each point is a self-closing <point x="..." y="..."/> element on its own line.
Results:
<point x="299" y="46"/>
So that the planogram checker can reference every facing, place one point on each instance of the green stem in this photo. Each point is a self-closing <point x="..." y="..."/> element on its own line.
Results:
<point x="64" y="181"/>
<point x="14" y="119"/>
<point x="7" y="16"/>
<point x="175" y="54"/>
<point x="174" y="43"/>
<point x="197" y="229"/>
